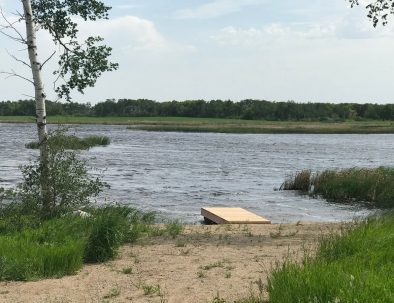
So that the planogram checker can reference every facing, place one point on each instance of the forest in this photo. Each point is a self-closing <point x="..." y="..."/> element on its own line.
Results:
<point x="246" y="109"/>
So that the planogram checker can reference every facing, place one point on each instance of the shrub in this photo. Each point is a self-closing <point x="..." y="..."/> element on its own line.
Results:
<point x="69" y="185"/>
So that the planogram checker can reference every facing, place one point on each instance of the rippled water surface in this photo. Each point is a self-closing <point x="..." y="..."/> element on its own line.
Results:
<point x="176" y="174"/>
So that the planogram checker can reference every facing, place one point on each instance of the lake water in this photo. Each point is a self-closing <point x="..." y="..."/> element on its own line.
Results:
<point x="175" y="174"/>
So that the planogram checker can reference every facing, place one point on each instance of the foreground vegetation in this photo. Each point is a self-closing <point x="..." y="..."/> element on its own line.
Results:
<point x="41" y="238"/>
<point x="356" y="265"/>
<point x="32" y="248"/>
<point x="369" y="186"/>
<point x="185" y="124"/>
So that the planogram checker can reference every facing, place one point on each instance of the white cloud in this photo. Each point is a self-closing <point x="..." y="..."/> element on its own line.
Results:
<point x="127" y="31"/>
<point x="279" y="34"/>
<point x="215" y="9"/>
<point x="131" y="33"/>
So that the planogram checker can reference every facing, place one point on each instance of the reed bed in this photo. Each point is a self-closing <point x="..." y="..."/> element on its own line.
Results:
<point x="73" y="142"/>
<point x="369" y="186"/>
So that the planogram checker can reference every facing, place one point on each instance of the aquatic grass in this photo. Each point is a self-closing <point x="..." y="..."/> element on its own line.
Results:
<point x="369" y="186"/>
<point x="372" y="186"/>
<point x="355" y="265"/>
<point x="298" y="181"/>
<point x="72" y="142"/>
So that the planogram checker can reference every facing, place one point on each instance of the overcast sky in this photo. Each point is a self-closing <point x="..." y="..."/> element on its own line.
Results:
<point x="302" y="50"/>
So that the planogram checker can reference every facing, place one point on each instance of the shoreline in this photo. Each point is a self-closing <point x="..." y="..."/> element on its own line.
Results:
<point x="213" y="125"/>
<point x="204" y="262"/>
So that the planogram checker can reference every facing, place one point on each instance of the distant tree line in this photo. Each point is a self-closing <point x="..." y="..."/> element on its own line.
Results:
<point x="246" y="109"/>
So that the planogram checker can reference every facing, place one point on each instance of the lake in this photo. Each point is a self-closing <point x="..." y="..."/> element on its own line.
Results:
<point x="175" y="174"/>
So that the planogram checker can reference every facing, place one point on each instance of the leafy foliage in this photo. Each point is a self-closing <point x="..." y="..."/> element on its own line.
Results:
<point x="69" y="185"/>
<point x="79" y="64"/>
<point x="378" y="11"/>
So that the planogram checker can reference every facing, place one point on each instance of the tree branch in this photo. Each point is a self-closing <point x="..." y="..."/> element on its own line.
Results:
<point x="17" y="59"/>
<point x="49" y="58"/>
<point x="10" y="25"/>
<point x="14" y="74"/>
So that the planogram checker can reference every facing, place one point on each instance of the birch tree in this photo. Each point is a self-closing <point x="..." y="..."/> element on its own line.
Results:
<point x="378" y="10"/>
<point x="79" y="64"/>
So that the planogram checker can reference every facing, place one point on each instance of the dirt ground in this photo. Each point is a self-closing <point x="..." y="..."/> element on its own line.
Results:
<point x="203" y="262"/>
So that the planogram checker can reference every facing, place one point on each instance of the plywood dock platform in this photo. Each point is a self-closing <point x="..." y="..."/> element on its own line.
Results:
<point x="231" y="215"/>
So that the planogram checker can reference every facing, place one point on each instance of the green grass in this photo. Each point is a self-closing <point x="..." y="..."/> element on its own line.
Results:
<point x="57" y="247"/>
<point x="356" y="265"/>
<point x="73" y="142"/>
<point x="370" y="186"/>
<point x="298" y="181"/>
<point x="221" y="125"/>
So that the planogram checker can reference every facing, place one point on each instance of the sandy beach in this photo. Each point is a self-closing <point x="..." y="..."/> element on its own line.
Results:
<point x="205" y="261"/>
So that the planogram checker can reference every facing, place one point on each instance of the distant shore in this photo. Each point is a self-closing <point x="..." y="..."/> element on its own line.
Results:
<point x="212" y="125"/>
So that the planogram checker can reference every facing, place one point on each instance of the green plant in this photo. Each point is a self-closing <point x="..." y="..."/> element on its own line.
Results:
<point x="54" y="248"/>
<point x="69" y="185"/>
<point x="127" y="270"/>
<point x="61" y="140"/>
<point x="355" y="265"/>
<point x="368" y="186"/>
<point x="107" y="234"/>
<point x="150" y="290"/>
<point x="174" y="228"/>
<point x="299" y="181"/>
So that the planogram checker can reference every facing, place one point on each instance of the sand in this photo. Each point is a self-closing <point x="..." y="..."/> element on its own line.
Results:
<point x="229" y="261"/>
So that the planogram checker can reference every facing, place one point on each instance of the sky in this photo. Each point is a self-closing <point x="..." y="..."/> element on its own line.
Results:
<point x="301" y="50"/>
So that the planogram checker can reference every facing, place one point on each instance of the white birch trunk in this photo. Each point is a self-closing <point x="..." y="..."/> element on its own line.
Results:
<point x="36" y="71"/>
<point x="35" y="65"/>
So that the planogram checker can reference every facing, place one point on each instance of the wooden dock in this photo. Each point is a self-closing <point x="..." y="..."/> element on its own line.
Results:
<point x="231" y="215"/>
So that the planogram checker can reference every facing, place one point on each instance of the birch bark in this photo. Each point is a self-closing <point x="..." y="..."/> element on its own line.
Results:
<point x="35" y="65"/>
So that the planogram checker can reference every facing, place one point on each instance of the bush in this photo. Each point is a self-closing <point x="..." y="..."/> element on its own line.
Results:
<point x="69" y="185"/>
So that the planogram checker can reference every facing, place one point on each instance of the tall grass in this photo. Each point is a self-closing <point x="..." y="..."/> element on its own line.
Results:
<point x="32" y="249"/>
<point x="373" y="186"/>
<point x="299" y="181"/>
<point x="73" y="142"/>
<point x="356" y="265"/>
